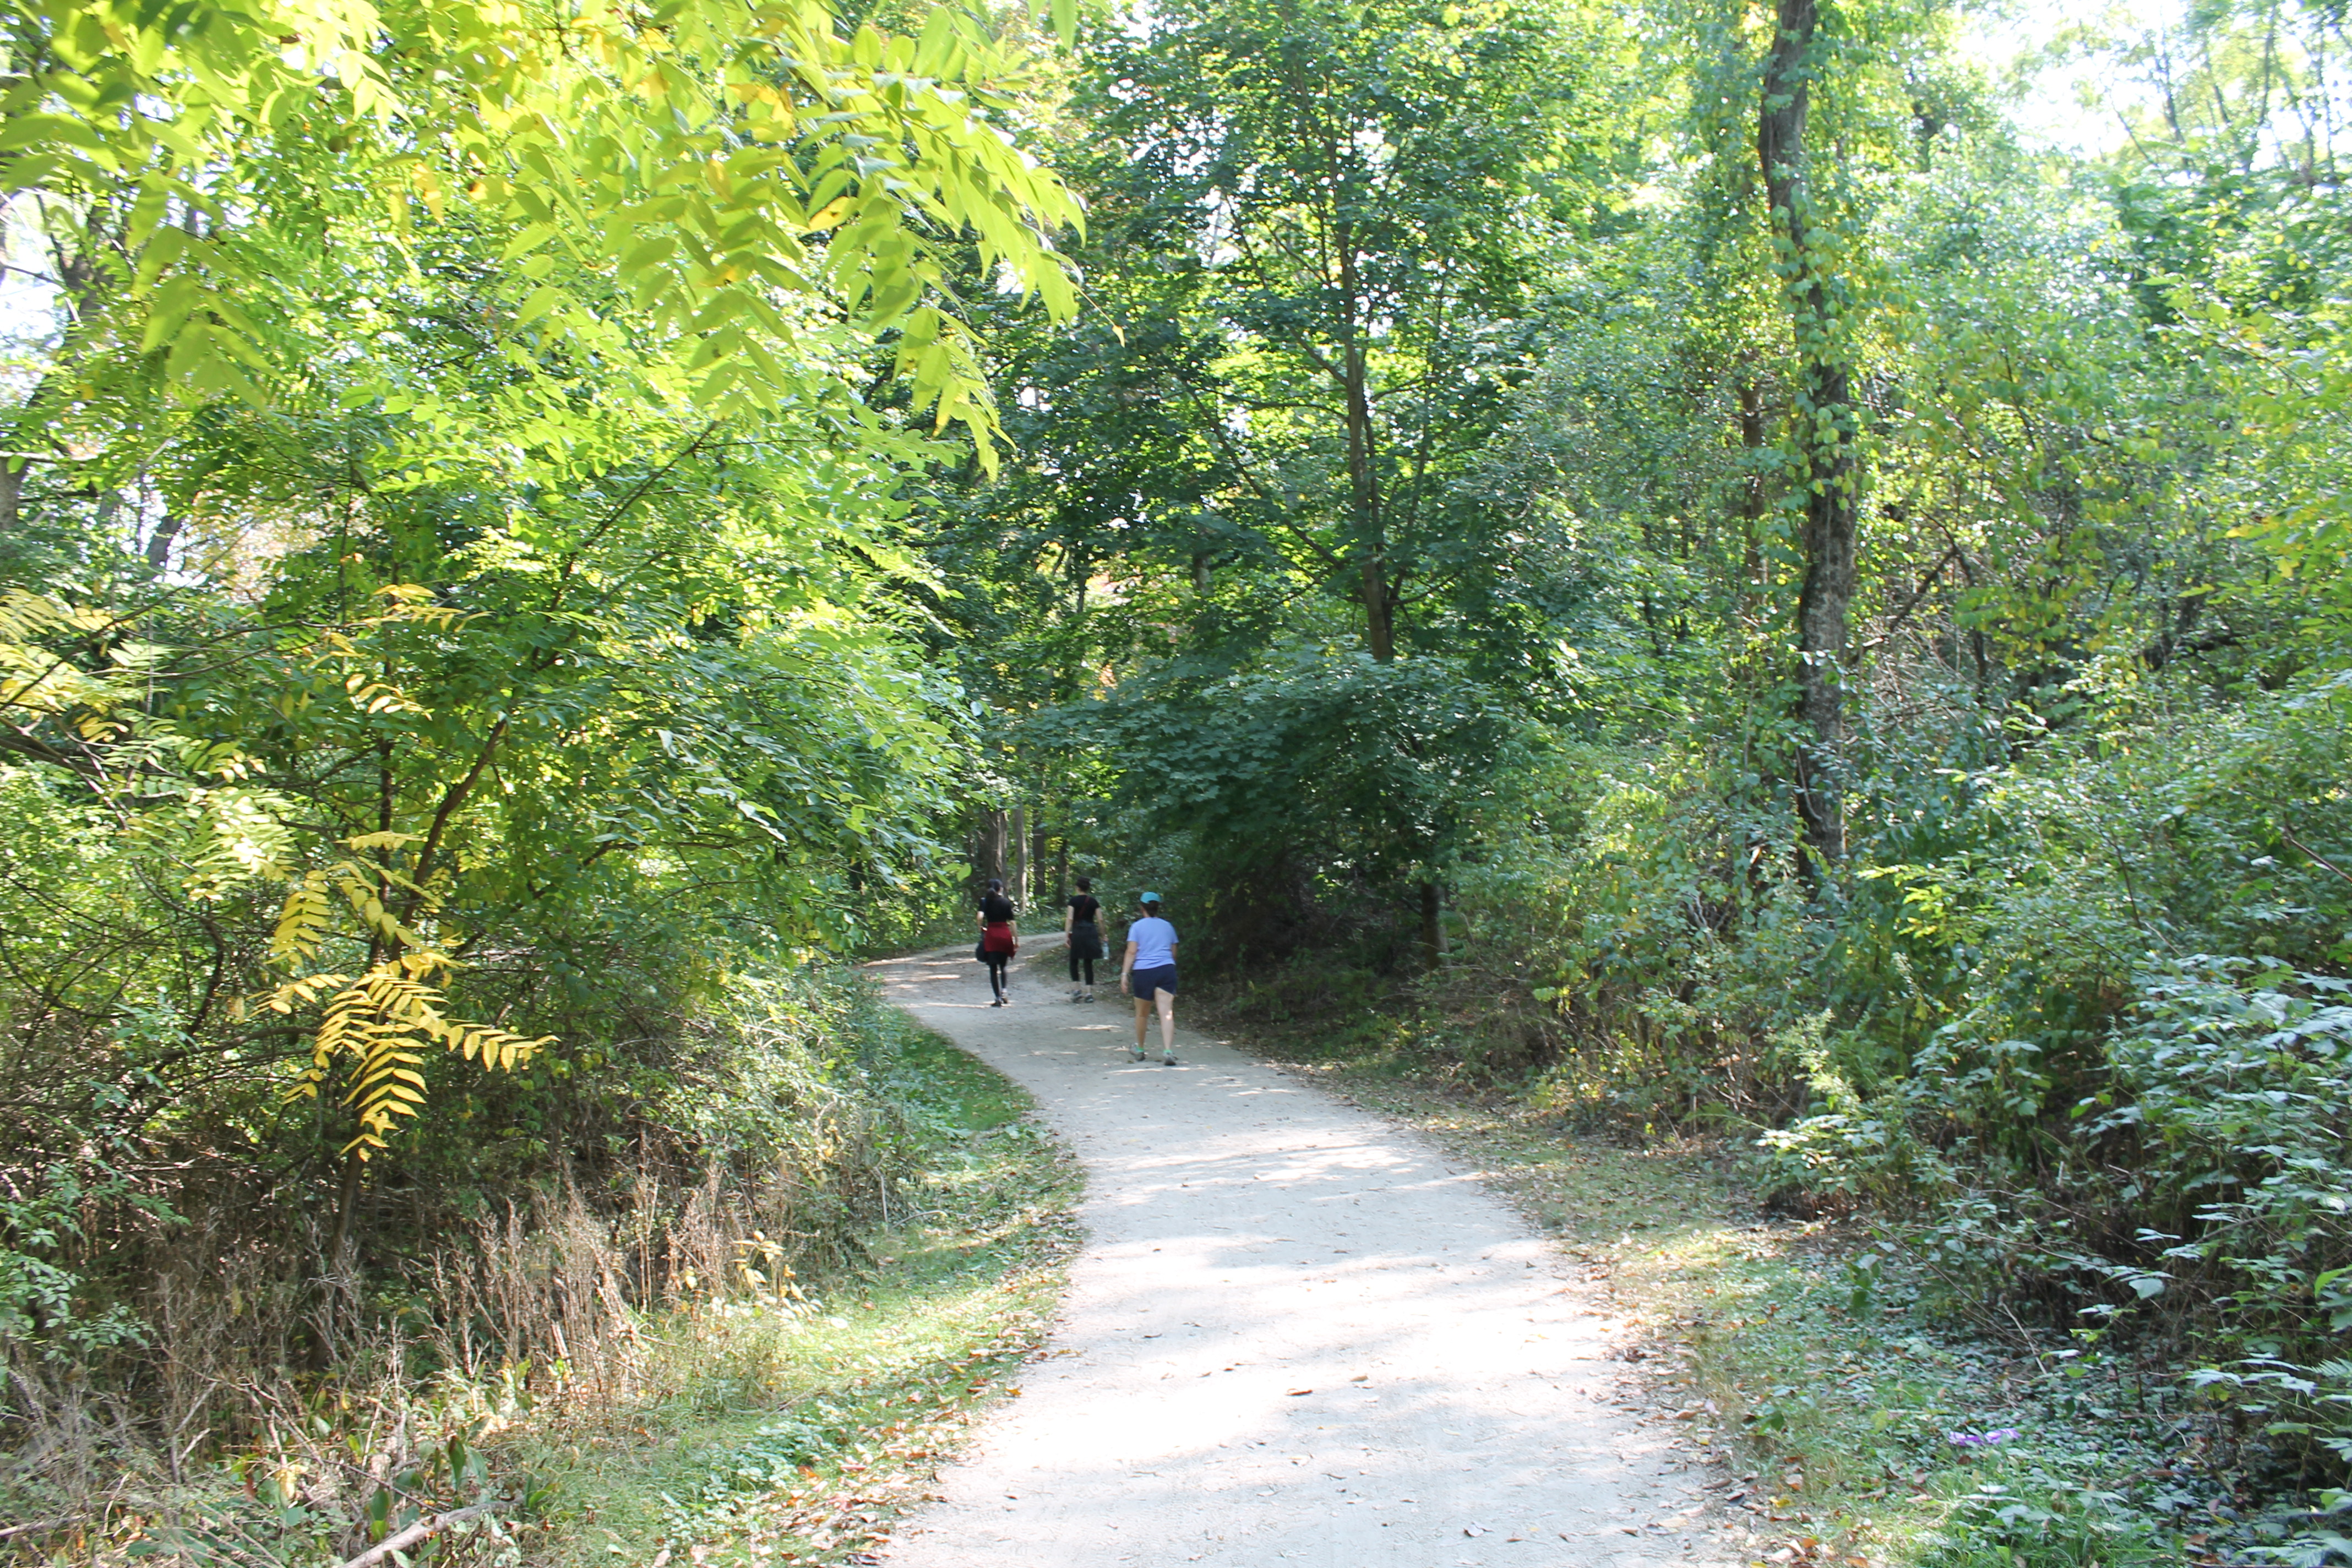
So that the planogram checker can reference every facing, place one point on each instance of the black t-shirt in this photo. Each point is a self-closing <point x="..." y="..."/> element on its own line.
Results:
<point x="1084" y="908"/>
<point x="996" y="906"/>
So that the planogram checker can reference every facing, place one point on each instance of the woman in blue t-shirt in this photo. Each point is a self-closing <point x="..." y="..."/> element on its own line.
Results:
<point x="1148" y="973"/>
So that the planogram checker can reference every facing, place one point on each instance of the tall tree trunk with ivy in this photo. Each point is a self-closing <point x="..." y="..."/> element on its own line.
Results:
<point x="1823" y="425"/>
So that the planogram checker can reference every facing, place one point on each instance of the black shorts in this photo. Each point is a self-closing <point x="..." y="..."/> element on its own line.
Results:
<point x="1146" y="981"/>
<point x="1086" y="940"/>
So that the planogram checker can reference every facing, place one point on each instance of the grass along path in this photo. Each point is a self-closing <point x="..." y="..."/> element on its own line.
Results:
<point x="797" y="1432"/>
<point x="1815" y="1366"/>
<point x="1820" y="1394"/>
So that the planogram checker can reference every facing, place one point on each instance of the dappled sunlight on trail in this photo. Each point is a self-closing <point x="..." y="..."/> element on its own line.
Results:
<point x="1298" y="1333"/>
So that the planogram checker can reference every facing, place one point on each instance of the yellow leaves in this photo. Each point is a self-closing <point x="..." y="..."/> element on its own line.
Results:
<point x="387" y="840"/>
<point x="830" y="215"/>
<point x="301" y="924"/>
<point x="373" y="697"/>
<point x="302" y="990"/>
<point x="767" y="106"/>
<point x="413" y="603"/>
<point x="404" y="604"/>
<point x="246" y="837"/>
<point x="379" y="1024"/>
<point x="697" y="145"/>
<point x="303" y="919"/>
<point x="25" y="615"/>
<point x="33" y="679"/>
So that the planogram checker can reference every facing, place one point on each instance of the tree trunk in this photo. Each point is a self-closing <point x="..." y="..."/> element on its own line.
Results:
<point x="988" y="847"/>
<point x="83" y="277"/>
<point x="159" y="543"/>
<point x="1380" y="633"/>
<point x="337" y="1287"/>
<point x="1017" y="833"/>
<point x="1753" y="500"/>
<point x="1363" y="480"/>
<point x="1825" y="425"/>
<point x="1433" y="933"/>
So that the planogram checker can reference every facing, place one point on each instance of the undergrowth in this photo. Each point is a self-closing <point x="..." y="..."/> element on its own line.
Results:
<point x="1861" y="1404"/>
<point x="782" y="1417"/>
<point x="803" y="1435"/>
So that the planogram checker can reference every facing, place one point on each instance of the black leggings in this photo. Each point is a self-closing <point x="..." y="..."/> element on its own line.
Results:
<point x="1076" y="961"/>
<point x="996" y="962"/>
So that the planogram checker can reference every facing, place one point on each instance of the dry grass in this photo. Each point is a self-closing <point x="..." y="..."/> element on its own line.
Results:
<point x="272" y="1410"/>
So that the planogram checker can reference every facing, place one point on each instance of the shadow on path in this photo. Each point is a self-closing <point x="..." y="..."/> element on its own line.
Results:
<point x="1296" y="1334"/>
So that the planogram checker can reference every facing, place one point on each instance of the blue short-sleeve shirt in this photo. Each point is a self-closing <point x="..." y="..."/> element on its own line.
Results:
<point x="1155" y="942"/>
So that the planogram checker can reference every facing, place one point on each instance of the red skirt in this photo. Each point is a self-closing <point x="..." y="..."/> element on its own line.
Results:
<point x="997" y="936"/>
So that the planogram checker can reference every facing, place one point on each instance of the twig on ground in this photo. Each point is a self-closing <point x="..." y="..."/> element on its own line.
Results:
<point x="421" y="1529"/>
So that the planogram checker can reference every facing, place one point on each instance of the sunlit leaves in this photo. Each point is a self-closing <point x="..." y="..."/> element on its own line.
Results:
<point x="713" y="163"/>
<point x="378" y="1023"/>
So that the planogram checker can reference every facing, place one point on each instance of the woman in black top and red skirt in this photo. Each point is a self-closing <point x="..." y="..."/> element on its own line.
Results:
<point x="997" y="942"/>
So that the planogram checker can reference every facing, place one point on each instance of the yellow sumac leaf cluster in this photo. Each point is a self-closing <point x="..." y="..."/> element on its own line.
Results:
<point x="383" y="1021"/>
<point x="35" y="681"/>
<point x="380" y="1022"/>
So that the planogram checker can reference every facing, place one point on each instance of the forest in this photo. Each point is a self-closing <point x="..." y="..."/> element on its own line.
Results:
<point x="1689" y="565"/>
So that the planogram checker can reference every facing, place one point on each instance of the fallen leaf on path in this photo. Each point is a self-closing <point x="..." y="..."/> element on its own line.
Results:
<point x="1295" y="1392"/>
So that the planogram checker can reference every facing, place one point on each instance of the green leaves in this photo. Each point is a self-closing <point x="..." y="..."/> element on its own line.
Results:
<point x="531" y="539"/>
<point x="689" y="162"/>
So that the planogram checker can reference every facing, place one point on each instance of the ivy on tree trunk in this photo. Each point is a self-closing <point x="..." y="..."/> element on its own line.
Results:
<point x="1823" y="423"/>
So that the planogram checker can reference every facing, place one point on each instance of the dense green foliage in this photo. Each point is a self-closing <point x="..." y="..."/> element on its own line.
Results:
<point x="2000" y="886"/>
<point x="1676" y="549"/>
<point x="459" y="665"/>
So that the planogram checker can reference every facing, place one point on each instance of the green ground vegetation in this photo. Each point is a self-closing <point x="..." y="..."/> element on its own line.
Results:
<point x="780" y="1416"/>
<point x="1848" y="1386"/>
<point x="801" y="1435"/>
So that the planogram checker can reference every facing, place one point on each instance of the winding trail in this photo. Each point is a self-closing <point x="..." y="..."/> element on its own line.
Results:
<point x="1297" y="1333"/>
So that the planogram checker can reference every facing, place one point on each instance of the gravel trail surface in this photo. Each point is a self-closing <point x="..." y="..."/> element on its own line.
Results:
<point x="1297" y="1333"/>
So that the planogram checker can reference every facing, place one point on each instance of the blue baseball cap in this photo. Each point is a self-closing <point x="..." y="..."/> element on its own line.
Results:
<point x="1147" y="899"/>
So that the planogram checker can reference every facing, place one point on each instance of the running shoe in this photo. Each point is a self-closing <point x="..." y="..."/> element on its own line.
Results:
<point x="1168" y="1061"/>
<point x="1137" y="1052"/>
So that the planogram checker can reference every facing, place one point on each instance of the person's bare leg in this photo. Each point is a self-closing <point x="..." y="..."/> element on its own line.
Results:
<point x="1167" y="1000"/>
<point x="1142" y="1013"/>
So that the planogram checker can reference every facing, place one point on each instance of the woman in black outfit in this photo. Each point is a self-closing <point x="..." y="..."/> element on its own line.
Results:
<point x="997" y="942"/>
<point x="1080" y="920"/>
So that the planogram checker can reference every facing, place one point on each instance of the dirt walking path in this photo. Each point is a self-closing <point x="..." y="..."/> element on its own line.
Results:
<point x="1297" y="1333"/>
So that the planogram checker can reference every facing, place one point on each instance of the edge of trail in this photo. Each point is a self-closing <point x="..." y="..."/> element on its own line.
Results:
<point x="1297" y="1330"/>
